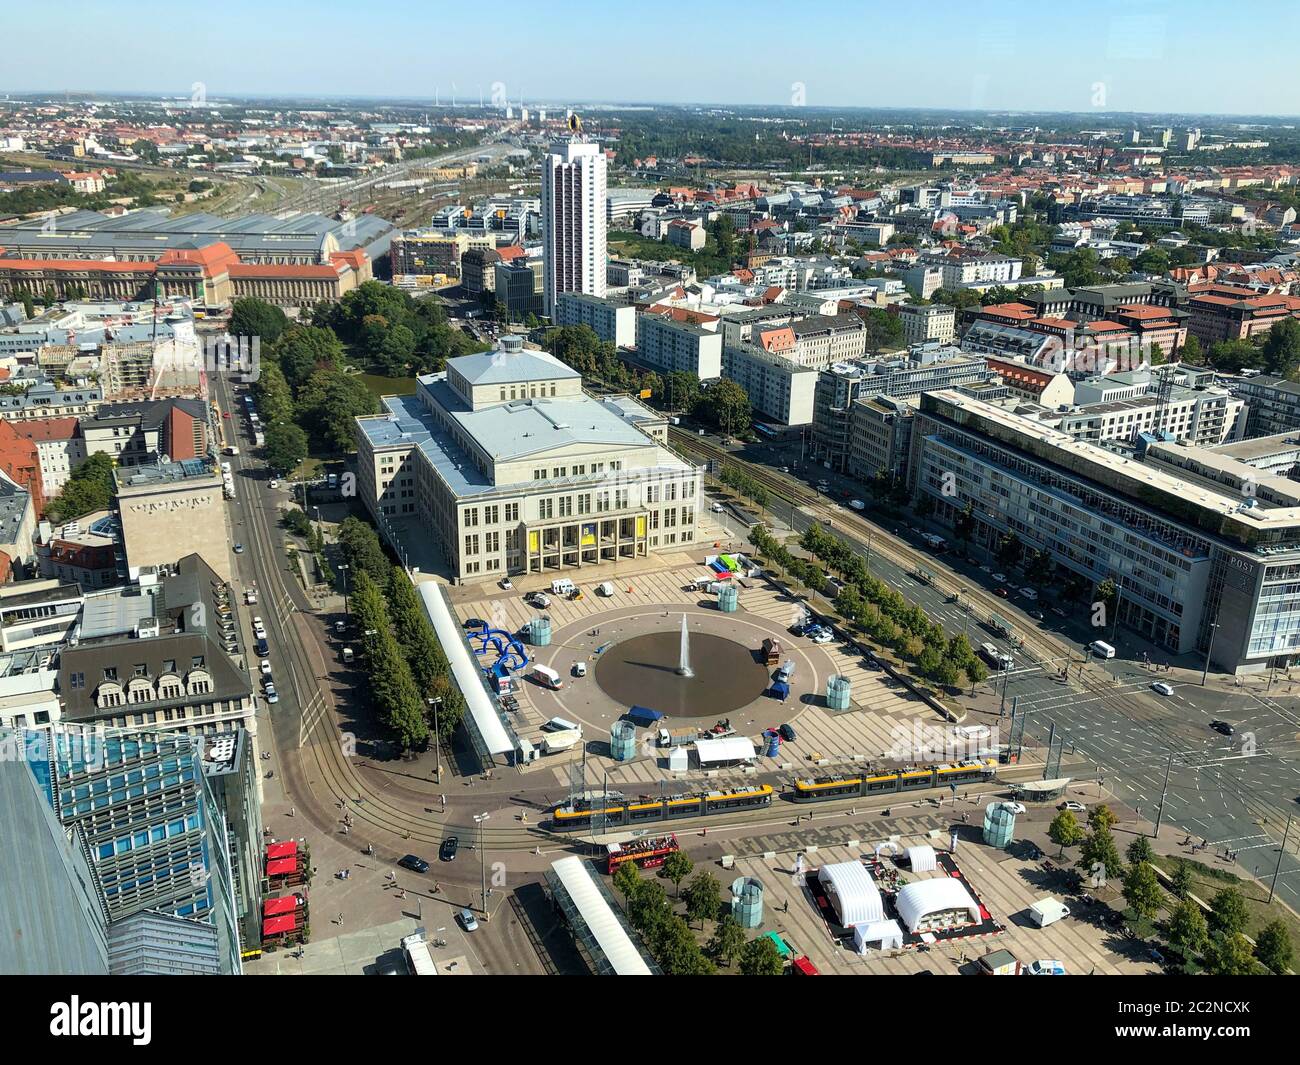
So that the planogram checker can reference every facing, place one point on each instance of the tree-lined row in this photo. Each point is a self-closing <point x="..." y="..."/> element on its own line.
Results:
<point x="876" y="609"/>
<point x="407" y="664"/>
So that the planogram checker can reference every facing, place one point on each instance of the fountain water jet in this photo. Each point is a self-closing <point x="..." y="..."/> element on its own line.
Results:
<point x="684" y="662"/>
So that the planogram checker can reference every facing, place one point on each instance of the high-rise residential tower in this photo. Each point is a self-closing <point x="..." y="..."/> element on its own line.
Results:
<point x="573" y="218"/>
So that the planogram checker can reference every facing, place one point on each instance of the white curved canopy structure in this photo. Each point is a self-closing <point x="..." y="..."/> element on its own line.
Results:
<point x="853" y="893"/>
<point x="916" y="902"/>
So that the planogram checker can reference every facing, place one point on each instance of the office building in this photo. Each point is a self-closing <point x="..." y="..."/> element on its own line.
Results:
<point x="1194" y="564"/>
<point x="926" y="323"/>
<point x="506" y="463"/>
<point x="519" y="286"/>
<point x="168" y="510"/>
<point x="1273" y="403"/>
<point x="573" y="220"/>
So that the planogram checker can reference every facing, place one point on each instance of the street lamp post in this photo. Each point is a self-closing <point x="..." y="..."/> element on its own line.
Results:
<point x="343" y="569"/>
<point x="479" y="819"/>
<point x="437" y="738"/>
<point x="1214" y="628"/>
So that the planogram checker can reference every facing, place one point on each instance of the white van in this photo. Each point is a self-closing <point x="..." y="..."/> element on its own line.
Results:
<point x="562" y="586"/>
<point x="605" y="588"/>
<point x="1101" y="649"/>
<point x="786" y="671"/>
<point x="1047" y="911"/>
<point x="561" y="724"/>
<point x="547" y="677"/>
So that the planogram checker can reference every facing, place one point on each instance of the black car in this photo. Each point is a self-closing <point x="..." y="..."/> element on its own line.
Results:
<point x="787" y="733"/>
<point x="447" y="852"/>
<point x="1222" y="727"/>
<point x="474" y="623"/>
<point x="416" y="865"/>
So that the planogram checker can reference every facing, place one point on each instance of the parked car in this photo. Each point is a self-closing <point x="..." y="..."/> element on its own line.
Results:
<point x="1029" y="593"/>
<point x="473" y="623"/>
<point x="447" y="852"/>
<point x="857" y="504"/>
<point x="416" y="865"/>
<point x="538" y="599"/>
<point x="239" y="549"/>
<point x="1161" y="688"/>
<point x="1222" y="727"/>
<point x="467" y="920"/>
<point x="1001" y="578"/>
<point x="717" y="508"/>
<point x="1073" y="807"/>
<point x="507" y="583"/>
<point x="823" y="635"/>
<point x="1044" y="967"/>
<point x="272" y="696"/>
<point x="1015" y="807"/>
<point x="273" y="484"/>
<point x="1000" y="592"/>
<point x="265" y="667"/>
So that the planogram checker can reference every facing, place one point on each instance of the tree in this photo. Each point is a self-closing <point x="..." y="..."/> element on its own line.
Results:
<point x="89" y="488"/>
<point x="1233" y="356"/>
<point x="1273" y="947"/>
<point x="273" y="394"/>
<point x="884" y="330"/>
<point x="1009" y="549"/>
<point x="648" y="909"/>
<point x="286" y="446"/>
<point x="726" y="405"/>
<point x="362" y="551"/>
<point x="1102" y="818"/>
<point x="1139" y="850"/>
<point x="1065" y="831"/>
<point x="681" y="390"/>
<point x="1142" y="890"/>
<point x="1228" y="913"/>
<point x="29" y="305"/>
<point x="329" y="402"/>
<point x="303" y="349"/>
<point x="1191" y="352"/>
<point x="761" y="958"/>
<point x="728" y="940"/>
<point x="627" y="879"/>
<point x="1230" y="956"/>
<point x="1180" y="881"/>
<point x="1152" y="261"/>
<point x="1187" y="930"/>
<point x="1281" y="348"/>
<point x="251" y="317"/>
<point x="702" y="897"/>
<point x="677" y="867"/>
<point x="1099" y="855"/>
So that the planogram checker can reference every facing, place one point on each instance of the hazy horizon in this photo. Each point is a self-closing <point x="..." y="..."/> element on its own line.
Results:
<point x="1145" y="58"/>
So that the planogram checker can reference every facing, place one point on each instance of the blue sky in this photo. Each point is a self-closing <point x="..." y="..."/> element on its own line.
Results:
<point x="1137" y="55"/>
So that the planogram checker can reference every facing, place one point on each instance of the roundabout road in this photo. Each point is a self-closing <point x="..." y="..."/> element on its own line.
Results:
<point x="582" y="699"/>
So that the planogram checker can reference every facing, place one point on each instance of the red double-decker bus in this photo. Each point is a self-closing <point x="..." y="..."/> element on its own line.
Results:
<point x="647" y="853"/>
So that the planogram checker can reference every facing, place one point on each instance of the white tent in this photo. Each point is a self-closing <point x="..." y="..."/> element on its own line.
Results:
<point x="916" y="902"/>
<point x="679" y="758"/>
<point x="921" y="859"/>
<point x="731" y="749"/>
<point x="883" y="935"/>
<point x="852" y="892"/>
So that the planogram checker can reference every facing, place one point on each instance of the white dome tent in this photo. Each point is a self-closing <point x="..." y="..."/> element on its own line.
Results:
<point x="883" y="935"/>
<point x="921" y="859"/>
<point x="853" y="893"/>
<point x="917" y="903"/>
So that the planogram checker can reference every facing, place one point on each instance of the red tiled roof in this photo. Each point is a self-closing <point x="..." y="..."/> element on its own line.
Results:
<point x="511" y="252"/>
<point x="47" y="428"/>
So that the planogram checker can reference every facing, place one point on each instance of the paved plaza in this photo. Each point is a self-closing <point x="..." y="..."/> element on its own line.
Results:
<point x="654" y="601"/>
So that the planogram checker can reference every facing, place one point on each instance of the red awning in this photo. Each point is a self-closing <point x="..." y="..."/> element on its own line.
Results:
<point x="287" y="849"/>
<point x="287" y="904"/>
<point x="282" y="867"/>
<point x="274" y="926"/>
<point x="804" y="967"/>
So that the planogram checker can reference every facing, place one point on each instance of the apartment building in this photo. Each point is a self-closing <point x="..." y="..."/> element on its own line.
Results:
<point x="611" y="321"/>
<point x="777" y="388"/>
<point x="573" y="220"/>
<point x="511" y="468"/>
<point x="1189" y="558"/>
<point x="824" y="339"/>
<point x="670" y="345"/>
